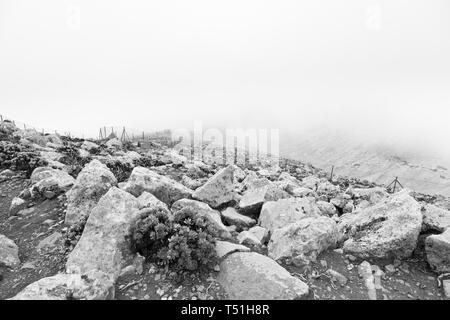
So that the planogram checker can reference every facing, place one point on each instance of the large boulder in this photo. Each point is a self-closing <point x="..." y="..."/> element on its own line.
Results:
<point x="437" y="248"/>
<point x="277" y="214"/>
<point x="372" y="195"/>
<point x="202" y="209"/>
<point x="387" y="229"/>
<point x="91" y="184"/>
<point x="252" y="276"/>
<point x="301" y="242"/>
<point x="104" y="244"/>
<point x="165" y="189"/>
<point x="435" y="219"/>
<point x="255" y="196"/>
<point x="50" y="182"/>
<point x="219" y="189"/>
<point x="149" y="201"/>
<point x="9" y="253"/>
<point x="90" y="286"/>
<point x="232" y="217"/>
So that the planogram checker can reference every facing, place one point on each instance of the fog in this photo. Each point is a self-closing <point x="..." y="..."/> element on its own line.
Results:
<point x="376" y="68"/>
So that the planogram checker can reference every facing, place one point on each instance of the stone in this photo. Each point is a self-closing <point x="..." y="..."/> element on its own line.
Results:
<point x="219" y="189"/>
<point x="365" y="272"/>
<point x="301" y="242"/>
<point x="149" y="201"/>
<point x="435" y="219"/>
<point x="389" y="268"/>
<point x="248" y="238"/>
<point x="104" y="244"/>
<point x="311" y="182"/>
<point x="277" y="214"/>
<point x="231" y="216"/>
<point x="50" y="182"/>
<point x="191" y="183"/>
<point x="89" y="146"/>
<point x="386" y="230"/>
<point x="224" y="248"/>
<point x="301" y="192"/>
<point x="372" y="195"/>
<point x="94" y="180"/>
<point x="203" y="209"/>
<point x="446" y="287"/>
<point x="49" y="243"/>
<point x="262" y="234"/>
<point x="437" y="249"/>
<point x="17" y="204"/>
<point x="90" y="286"/>
<point x="252" y="276"/>
<point x="254" y="198"/>
<point x="328" y="189"/>
<point x="9" y="253"/>
<point x="114" y="143"/>
<point x="163" y="188"/>
<point x="6" y="175"/>
<point x="326" y="208"/>
<point x="337" y="277"/>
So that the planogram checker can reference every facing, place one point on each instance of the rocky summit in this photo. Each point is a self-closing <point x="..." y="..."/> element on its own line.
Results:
<point x="112" y="219"/>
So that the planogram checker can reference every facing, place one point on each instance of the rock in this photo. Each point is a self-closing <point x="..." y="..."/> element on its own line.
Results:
<point x="50" y="243"/>
<point x="262" y="234"/>
<point x="6" y="175"/>
<point x="104" y="244"/>
<point x="25" y="212"/>
<point x="446" y="287"/>
<point x="50" y="182"/>
<point x="130" y="158"/>
<point x="91" y="184"/>
<point x="337" y="277"/>
<point x="17" y="204"/>
<point x="254" y="198"/>
<point x="252" y="276"/>
<point x="191" y="183"/>
<point x="231" y="216"/>
<point x="90" y="146"/>
<point x="389" y="268"/>
<point x="219" y="189"/>
<point x="372" y="195"/>
<point x="9" y="253"/>
<point x="289" y="183"/>
<point x="437" y="248"/>
<point x="248" y="238"/>
<point x="277" y="214"/>
<point x="326" y="208"/>
<point x="435" y="219"/>
<point x="205" y="210"/>
<point x="365" y="272"/>
<point x="301" y="242"/>
<point x="90" y="286"/>
<point x="301" y="192"/>
<point x="163" y="188"/>
<point x="311" y="182"/>
<point x="224" y="248"/>
<point x="114" y="143"/>
<point x="328" y="189"/>
<point x="387" y="229"/>
<point x="149" y="201"/>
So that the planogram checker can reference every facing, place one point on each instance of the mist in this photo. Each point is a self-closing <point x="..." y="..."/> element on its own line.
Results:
<point x="374" y="69"/>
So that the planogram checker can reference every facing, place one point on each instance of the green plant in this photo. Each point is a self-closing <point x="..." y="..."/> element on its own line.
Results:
<point x="184" y="241"/>
<point x="121" y="170"/>
<point x="19" y="158"/>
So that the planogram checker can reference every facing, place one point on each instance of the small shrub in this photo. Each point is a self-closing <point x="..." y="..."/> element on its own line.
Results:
<point x="71" y="158"/>
<point x="19" y="158"/>
<point x="185" y="241"/>
<point x="121" y="170"/>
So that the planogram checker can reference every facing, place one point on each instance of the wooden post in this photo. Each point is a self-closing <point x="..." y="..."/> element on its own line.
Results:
<point x="1" y="118"/>
<point x="331" y="175"/>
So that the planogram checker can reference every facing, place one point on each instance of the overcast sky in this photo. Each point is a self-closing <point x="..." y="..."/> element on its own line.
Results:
<point x="371" y="65"/>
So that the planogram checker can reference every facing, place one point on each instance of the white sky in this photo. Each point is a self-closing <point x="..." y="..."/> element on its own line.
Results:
<point x="78" y="65"/>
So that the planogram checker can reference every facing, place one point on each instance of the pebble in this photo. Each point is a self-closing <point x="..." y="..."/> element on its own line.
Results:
<point x="323" y="263"/>
<point x="389" y="268"/>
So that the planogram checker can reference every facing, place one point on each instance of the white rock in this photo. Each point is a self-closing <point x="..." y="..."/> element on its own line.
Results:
<point x="387" y="229"/>
<point x="248" y="238"/>
<point x="91" y="184"/>
<point x="149" y="201"/>
<point x="90" y="286"/>
<point x="435" y="218"/>
<point x="9" y="253"/>
<point x="252" y="276"/>
<point x="301" y="242"/>
<point x="437" y="248"/>
<point x="262" y="234"/>
<point x="17" y="204"/>
<point x="89" y="146"/>
<point x="163" y="188"/>
<point x="326" y="208"/>
<point x="277" y="214"/>
<point x="104" y="244"/>
<point x="224" y="248"/>
<point x="219" y="189"/>
<point x="255" y="196"/>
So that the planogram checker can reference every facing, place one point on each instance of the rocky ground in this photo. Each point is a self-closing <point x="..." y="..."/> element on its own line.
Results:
<point x="68" y="207"/>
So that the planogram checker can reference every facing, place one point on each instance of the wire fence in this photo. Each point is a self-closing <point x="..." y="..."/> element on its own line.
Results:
<point x="27" y="126"/>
